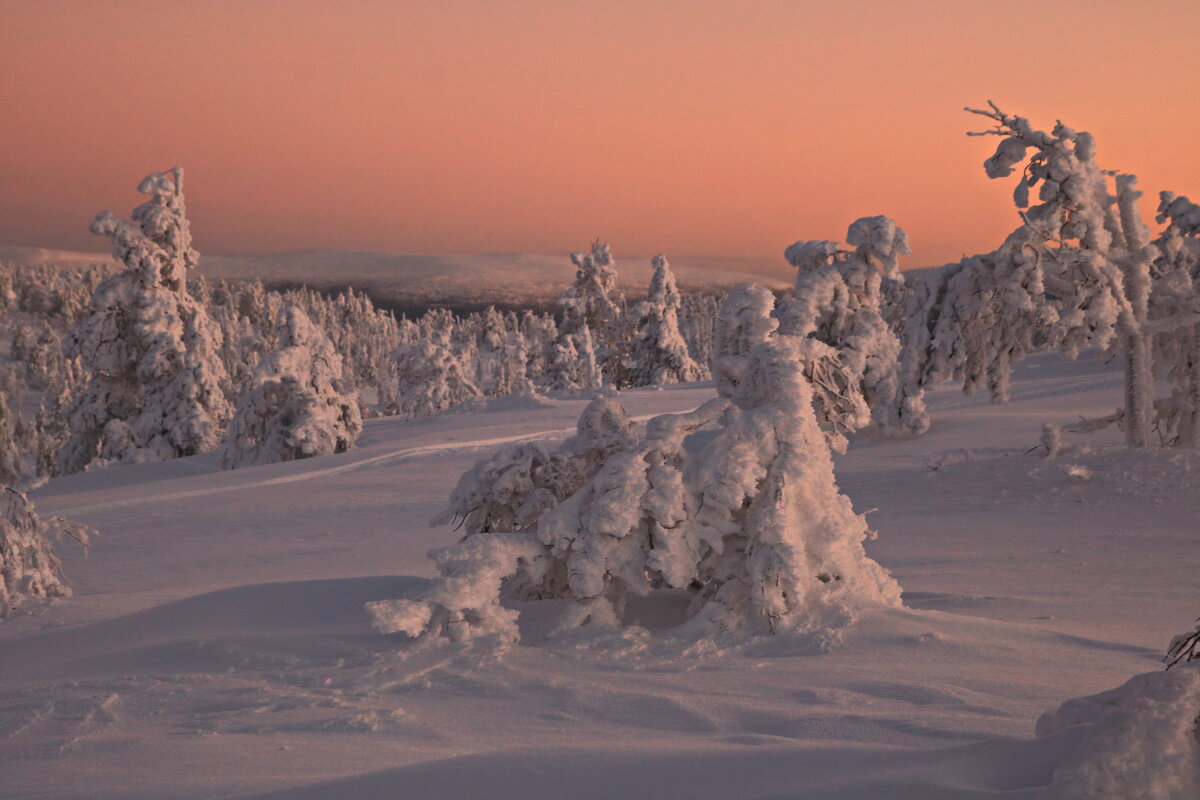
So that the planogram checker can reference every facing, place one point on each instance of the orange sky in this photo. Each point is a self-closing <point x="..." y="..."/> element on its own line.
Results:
<point x="708" y="128"/>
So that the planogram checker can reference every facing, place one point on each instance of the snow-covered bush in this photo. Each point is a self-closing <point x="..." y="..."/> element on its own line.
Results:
<point x="29" y="570"/>
<point x="151" y="350"/>
<point x="297" y="407"/>
<point x="753" y="525"/>
<point x="844" y="299"/>
<point x="510" y="490"/>
<point x="658" y="353"/>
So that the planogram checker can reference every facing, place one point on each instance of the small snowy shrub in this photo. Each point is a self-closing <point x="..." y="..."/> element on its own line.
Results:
<point x="296" y="408"/>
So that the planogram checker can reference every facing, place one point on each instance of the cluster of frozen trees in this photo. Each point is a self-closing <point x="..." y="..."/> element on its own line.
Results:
<point x="751" y="522"/>
<point x="154" y="362"/>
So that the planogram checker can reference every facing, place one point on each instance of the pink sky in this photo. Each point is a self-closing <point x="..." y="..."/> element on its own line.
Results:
<point x="692" y="127"/>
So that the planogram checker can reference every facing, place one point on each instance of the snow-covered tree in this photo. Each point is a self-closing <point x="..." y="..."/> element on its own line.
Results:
<point x="753" y="524"/>
<point x="573" y="363"/>
<point x="591" y="299"/>
<point x="29" y="569"/>
<point x="1175" y="295"/>
<point x="151" y="350"/>
<point x="512" y="364"/>
<point x="844" y="299"/>
<point x="10" y="462"/>
<point x="1079" y="272"/>
<point x="1137" y="740"/>
<point x="658" y="353"/>
<point x="430" y="378"/>
<point x="511" y="489"/>
<point x="297" y="407"/>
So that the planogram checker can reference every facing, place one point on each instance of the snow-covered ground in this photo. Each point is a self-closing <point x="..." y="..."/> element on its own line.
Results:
<point x="217" y="645"/>
<point x="479" y="279"/>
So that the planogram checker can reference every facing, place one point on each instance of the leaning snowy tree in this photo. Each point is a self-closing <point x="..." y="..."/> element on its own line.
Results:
<point x="1079" y="272"/>
<point x="752" y="525"/>
<point x="658" y="353"/>
<point x="151" y="349"/>
<point x="30" y="572"/>
<point x="297" y="407"/>
<point x="844" y="299"/>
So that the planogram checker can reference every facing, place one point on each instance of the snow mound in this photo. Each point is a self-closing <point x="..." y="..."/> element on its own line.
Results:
<point x="1141" y="740"/>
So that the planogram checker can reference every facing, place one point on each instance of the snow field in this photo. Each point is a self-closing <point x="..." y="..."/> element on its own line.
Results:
<point x="217" y="645"/>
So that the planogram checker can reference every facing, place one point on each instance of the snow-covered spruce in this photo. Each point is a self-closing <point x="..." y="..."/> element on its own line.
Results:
<point x="297" y="407"/>
<point x="753" y="525"/>
<point x="844" y="299"/>
<point x="745" y="320"/>
<point x="1079" y="272"/>
<point x="29" y="570"/>
<point x="151" y="349"/>
<point x="591" y="298"/>
<point x="10" y="456"/>
<point x="658" y="353"/>
<point x="1175" y="295"/>
<point x="430" y="378"/>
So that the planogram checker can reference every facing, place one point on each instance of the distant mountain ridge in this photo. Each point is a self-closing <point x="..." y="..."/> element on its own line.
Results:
<point x="413" y="280"/>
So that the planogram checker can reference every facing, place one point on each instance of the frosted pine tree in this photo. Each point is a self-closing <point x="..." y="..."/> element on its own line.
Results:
<point x="743" y="322"/>
<point x="297" y="408"/>
<point x="151" y="350"/>
<point x="753" y="525"/>
<point x="658" y="353"/>
<point x="591" y="299"/>
<point x="1079" y="272"/>
<point x="840" y="300"/>
<point x="573" y="364"/>
<point x="10" y="455"/>
<point x="510" y="490"/>
<point x="512" y="363"/>
<point x="430" y="378"/>
<point x="1176" y="286"/>
<point x="594" y="303"/>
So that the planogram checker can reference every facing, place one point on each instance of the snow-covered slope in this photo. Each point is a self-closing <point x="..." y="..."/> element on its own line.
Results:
<point x="217" y="645"/>
<point x="410" y="280"/>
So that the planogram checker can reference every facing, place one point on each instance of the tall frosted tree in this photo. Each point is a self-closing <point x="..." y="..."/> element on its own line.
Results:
<point x="658" y="353"/>
<point x="154" y="390"/>
<point x="298" y="407"/>
<point x="591" y="300"/>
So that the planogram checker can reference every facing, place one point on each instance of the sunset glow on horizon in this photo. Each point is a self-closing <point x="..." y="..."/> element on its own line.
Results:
<point x="694" y="128"/>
